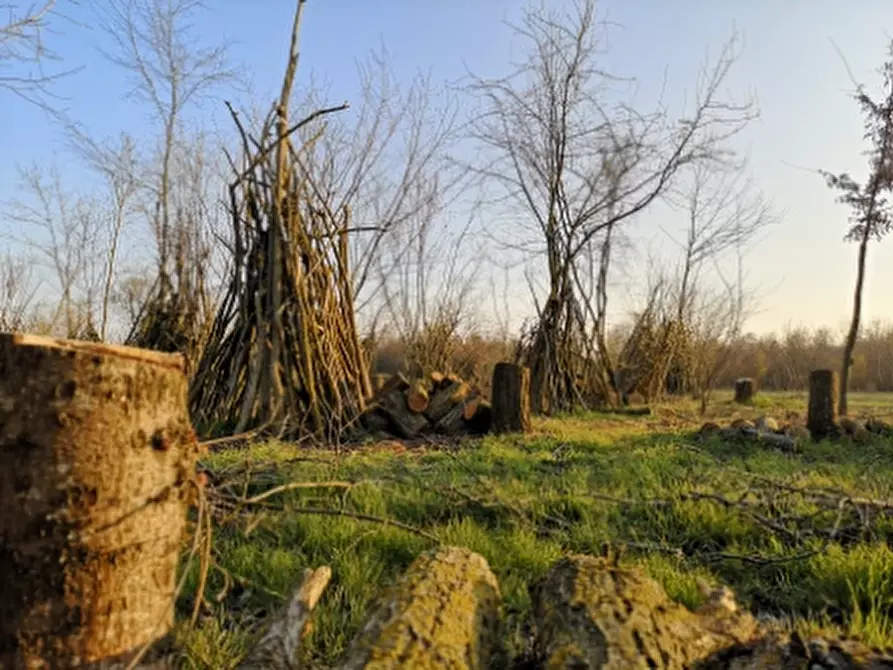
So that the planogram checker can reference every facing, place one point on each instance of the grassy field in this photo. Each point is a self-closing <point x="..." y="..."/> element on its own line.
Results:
<point x="768" y="524"/>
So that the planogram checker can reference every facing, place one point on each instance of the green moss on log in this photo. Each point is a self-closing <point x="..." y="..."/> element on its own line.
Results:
<point x="590" y="613"/>
<point x="443" y="613"/>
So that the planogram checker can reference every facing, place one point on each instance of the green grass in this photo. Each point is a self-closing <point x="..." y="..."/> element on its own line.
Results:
<point x="575" y="484"/>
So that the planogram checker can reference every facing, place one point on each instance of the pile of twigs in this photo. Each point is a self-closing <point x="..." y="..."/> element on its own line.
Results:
<point x="283" y="352"/>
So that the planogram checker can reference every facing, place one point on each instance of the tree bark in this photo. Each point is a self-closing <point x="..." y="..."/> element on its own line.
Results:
<point x="744" y="390"/>
<point x="443" y="613"/>
<point x="511" y="398"/>
<point x="97" y="467"/>
<point x="406" y="423"/>
<point x="591" y="613"/>
<point x="853" y="332"/>
<point x="446" y="399"/>
<point x="822" y="413"/>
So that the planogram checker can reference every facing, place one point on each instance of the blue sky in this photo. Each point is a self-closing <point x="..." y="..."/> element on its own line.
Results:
<point x="803" y="267"/>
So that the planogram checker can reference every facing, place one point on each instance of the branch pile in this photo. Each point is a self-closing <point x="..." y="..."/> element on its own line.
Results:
<point x="284" y="351"/>
<point x="437" y="404"/>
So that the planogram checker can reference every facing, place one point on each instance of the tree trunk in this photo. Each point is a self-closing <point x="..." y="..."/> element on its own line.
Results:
<point x="406" y="423"/>
<point x="745" y="387"/>
<point x="97" y="467"/>
<point x="853" y="333"/>
<point x="511" y="398"/>
<point x="445" y="399"/>
<point x="822" y="413"/>
<point x="443" y="613"/>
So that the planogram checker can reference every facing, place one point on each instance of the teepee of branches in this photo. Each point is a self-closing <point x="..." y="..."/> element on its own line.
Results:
<point x="284" y="353"/>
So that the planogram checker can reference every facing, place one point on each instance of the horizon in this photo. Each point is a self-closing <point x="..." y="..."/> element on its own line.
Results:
<point x="791" y="60"/>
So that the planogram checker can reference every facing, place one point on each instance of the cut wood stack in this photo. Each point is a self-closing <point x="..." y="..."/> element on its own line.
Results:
<point x="437" y="404"/>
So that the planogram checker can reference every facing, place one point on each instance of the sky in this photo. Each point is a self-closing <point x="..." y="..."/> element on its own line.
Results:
<point x="792" y="62"/>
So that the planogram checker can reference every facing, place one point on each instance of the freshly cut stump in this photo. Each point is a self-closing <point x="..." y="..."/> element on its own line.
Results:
<point x="510" y="403"/>
<point x="745" y="387"/>
<point x="442" y="614"/>
<point x="97" y="467"/>
<point x="822" y="414"/>
<point x="592" y="614"/>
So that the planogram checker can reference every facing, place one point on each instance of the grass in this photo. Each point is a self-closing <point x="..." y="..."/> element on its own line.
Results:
<point x="576" y="483"/>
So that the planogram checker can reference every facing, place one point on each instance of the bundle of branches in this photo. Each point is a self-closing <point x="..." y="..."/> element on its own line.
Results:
<point x="284" y="352"/>
<point x="655" y="357"/>
<point x="565" y="369"/>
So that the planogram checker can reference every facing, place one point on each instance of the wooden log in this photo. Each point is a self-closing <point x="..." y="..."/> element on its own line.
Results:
<point x="97" y="468"/>
<point x="396" y="382"/>
<point x="405" y="423"/>
<point x="375" y="421"/>
<point x="591" y="613"/>
<point x="445" y="399"/>
<point x="417" y="396"/>
<point x="443" y="613"/>
<point x="438" y="380"/>
<point x="745" y="388"/>
<point x="511" y="398"/>
<point x="454" y="422"/>
<point x="378" y="382"/>
<point x="821" y="417"/>
<point x="482" y="421"/>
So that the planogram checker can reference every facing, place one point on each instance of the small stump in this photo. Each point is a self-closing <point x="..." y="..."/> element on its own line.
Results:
<point x="822" y="417"/>
<point x="97" y="468"/>
<point x="745" y="387"/>
<point x="511" y="398"/>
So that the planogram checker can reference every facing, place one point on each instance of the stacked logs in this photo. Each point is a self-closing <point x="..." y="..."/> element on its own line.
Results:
<point x="436" y="404"/>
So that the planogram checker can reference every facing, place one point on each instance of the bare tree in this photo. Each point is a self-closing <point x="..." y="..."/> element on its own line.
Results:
<point x="569" y="152"/>
<point x="871" y="215"/>
<point x="387" y="161"/>
<point x="154" y="42"/>
<point x="62" y="229"/>
<point x="17" y="292"/>
<point x="23" y="52"/>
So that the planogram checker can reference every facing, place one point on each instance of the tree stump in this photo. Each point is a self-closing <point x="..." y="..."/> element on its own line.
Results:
<point x="822" y="414"/>
<point x="510" y="401"/>
<point x="745" y="387"/>
<point x="97" y="468"/>
<point x="443" y="613"/>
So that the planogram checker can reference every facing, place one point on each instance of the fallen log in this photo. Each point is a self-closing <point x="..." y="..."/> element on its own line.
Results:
<point x="482" y="420"/>
<point x="97" y="469"/>
<point x="455" y="421"/>
<point x="443" y="613"/>
<point x="591" y="613"/>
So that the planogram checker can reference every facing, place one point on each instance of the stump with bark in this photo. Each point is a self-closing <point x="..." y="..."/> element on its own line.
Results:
<point x="97" y="468"/>
<point x="822" y="413"/>
<point x="511" y="398"/>
<point x="745" y="388"/>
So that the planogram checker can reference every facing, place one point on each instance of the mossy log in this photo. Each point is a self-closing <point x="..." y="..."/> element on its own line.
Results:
<point x="443" y="613"/>
<point x="97" y="468"/>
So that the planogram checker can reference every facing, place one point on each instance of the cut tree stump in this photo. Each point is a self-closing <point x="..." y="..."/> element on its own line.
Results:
<point x="822" y="413"/>
<point x="745" y="388"/>
<point x="511" y="398"/>
<point x="97" y="468"/>
<point x="443" y="613"/>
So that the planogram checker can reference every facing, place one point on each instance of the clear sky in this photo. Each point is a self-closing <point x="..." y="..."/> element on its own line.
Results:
<point x="808" y="121"/>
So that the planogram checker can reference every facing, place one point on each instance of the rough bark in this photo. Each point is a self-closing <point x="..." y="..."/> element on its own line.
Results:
<point x="443" y="613"/>
<point x="454" y="422"/>
<point x="417" y="397"/>
<point x="446" y="399"/>
<point x="97" y="467"/>
<point x="745" y="388"/>
<point x="396" y="382"/>
<point x="591" y="613"/>
<point x="822" y="413"/>
<point x="511" y="398"/>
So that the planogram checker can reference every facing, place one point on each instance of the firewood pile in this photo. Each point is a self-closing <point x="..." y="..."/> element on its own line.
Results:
<point x="437" y="404"/>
